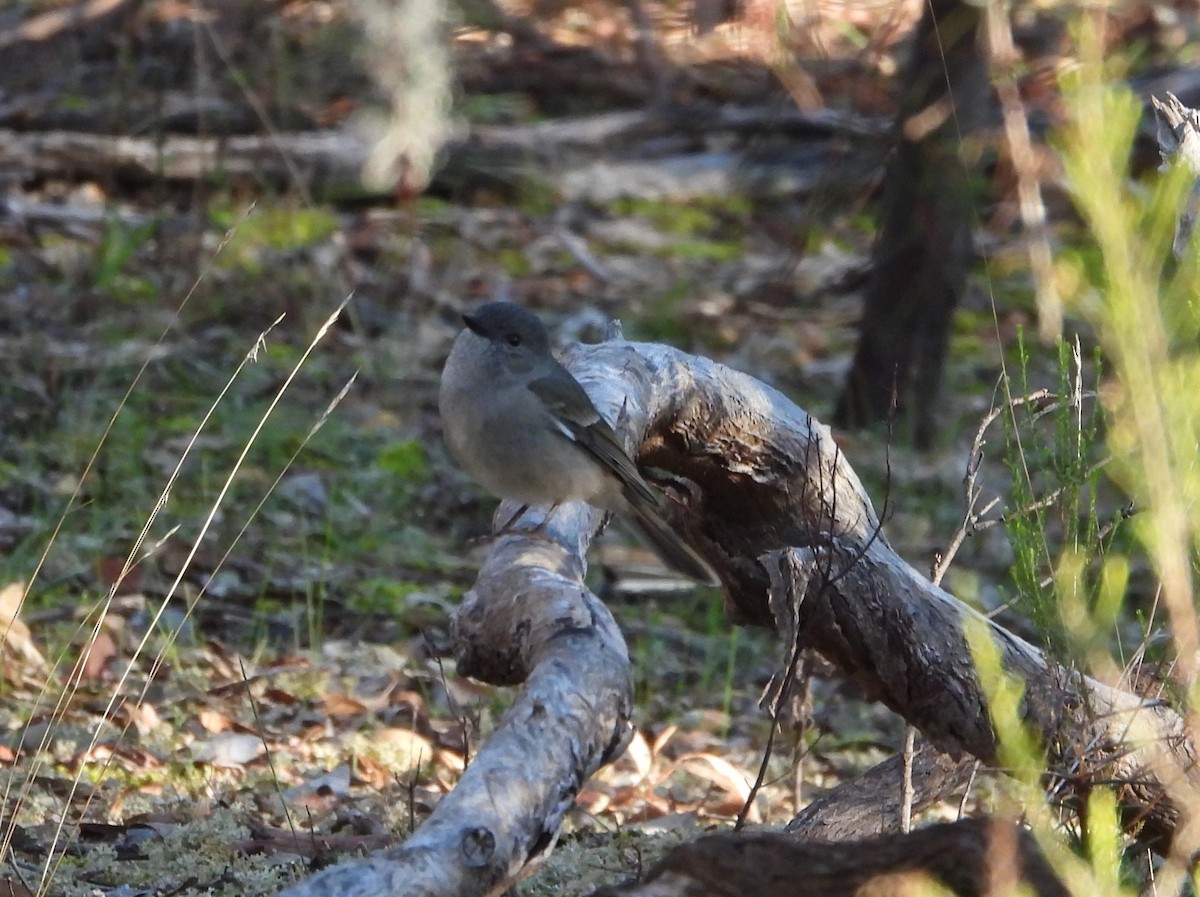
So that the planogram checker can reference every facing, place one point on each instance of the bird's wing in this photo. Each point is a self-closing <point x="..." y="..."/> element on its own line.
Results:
<point x="579" y="421"/>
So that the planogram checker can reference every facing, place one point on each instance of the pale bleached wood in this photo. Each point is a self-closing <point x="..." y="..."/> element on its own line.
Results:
<point x="772" y="479"/>
<point x="1179" y="140"/>
<point x="527" y="620"/>
<point x="565" y="153"/>
<point x="330" y="159"/>
<point x="766" y="495"/>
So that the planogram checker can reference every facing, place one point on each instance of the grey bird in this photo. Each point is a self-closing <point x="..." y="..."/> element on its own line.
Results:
<point x="521" y="425"/>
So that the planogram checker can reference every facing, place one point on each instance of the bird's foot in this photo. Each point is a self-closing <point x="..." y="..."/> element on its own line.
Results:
<point x="509" y="528"/>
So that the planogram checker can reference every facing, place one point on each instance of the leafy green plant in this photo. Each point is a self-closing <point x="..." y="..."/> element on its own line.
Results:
<point x="406" y="461"/>
<point x="276" y="228"/>
<point x="118" y="245"/>
<point x="1140" y="303"/>
<point x="1054" y="454"/>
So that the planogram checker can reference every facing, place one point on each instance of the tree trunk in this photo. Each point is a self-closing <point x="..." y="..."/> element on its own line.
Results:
<point x="924" y="247"/>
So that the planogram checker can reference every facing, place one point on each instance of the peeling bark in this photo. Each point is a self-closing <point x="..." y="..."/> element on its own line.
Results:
<point x="528" y="619"/>
<point x="871" y="804"/>
<point x="763" y="492"/>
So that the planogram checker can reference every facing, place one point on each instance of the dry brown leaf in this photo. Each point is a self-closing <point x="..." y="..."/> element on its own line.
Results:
<point x="144" y="717"/>
<point x="11" y="598"/>
<point x="641" y="755"/>
<point x="214" y="721"/>
<point x="94" y="663"/>
<point x="403" y="749"/>
<point x="642" y="804"/>
<point x="226" y="667"/>
<point x="590" y="800"/>
<point x="14" y="634"/>
<point x="631" y="769"/>
<point x="109" y="569"/>
<point x="732" y="782"/>
<point x="342" y="705"/>
<point x="369" y="771"/>
<point x="717" y="770"/>
<point x="133" y="759"/>
<point x="661" y="739"/>
<point x="451" y="760"/>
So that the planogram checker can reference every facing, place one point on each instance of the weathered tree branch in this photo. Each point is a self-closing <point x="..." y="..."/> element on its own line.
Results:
<point x="765" y="477"/>
<point x="528" y="619"/>
<point x="972" y="858"/>
<point x="1179" y="140"/>
<point x="564" y="152"/>
<point x="758" y="477"/>
<point x="870" y="804"/>
<point x="331" y="159"/>
<point x="770" y="478"/>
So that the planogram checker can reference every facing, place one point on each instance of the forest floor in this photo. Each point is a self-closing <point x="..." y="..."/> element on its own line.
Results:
<point x="269" y="686"/>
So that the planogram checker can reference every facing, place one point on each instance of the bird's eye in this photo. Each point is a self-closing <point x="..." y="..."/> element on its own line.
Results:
<point x="513" y="339"/>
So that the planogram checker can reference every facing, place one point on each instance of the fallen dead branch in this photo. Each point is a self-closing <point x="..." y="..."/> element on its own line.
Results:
<point x="764" y="493"/>
<point x="565" y="153"/>
<point x="972" y="858"/>
<point x="871" y="804"/>
<point x="57" y="22"/>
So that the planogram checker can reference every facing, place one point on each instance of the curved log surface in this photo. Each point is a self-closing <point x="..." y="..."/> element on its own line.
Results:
<point x="761" y="489"/>
<point x="971" y="858"/>
<point x="528" y="619"/>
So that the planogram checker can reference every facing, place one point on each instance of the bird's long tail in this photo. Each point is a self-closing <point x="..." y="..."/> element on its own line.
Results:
<point x="667" y="544"/>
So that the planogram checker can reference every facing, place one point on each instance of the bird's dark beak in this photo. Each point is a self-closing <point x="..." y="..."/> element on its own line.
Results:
<point x="473" y="323"/>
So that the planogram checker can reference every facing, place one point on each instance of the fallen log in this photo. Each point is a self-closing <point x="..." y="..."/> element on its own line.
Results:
<point x="661" y="154"/>
<point x="761" y="489"/>
<point x="971" y="858"/>
<point x="872" y="803"/>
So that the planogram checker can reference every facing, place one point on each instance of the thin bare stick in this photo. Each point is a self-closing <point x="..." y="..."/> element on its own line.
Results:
<point x="1031" y="207"/>
<point x="973" y="520"/>
<point x="906" y="803"/>
<point x="287" y="813"/>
